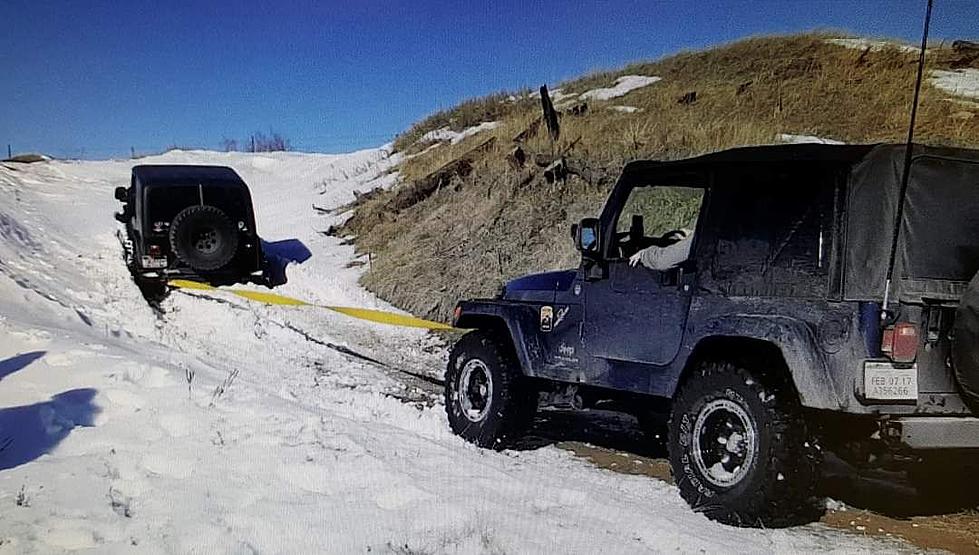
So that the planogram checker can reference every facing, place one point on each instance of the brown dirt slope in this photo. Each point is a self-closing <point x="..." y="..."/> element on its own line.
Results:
<point x="487" y="220"/>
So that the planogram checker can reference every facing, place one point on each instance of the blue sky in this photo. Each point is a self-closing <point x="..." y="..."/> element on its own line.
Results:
<point x="90" y="79"/>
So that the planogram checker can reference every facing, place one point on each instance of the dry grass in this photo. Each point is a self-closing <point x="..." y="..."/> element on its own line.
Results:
<point x="498" y="222"/>
<point x="471" y="112"/>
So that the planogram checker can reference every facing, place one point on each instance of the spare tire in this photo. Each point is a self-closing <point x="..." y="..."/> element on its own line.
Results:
<point x="203" y="237"/>
<point x="965" y="345"/>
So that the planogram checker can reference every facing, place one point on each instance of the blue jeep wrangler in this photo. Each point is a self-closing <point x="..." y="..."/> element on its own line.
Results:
<point x="734" y="302"/>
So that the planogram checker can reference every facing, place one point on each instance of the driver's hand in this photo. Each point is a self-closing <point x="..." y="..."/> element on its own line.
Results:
<point x="634" y="259"/>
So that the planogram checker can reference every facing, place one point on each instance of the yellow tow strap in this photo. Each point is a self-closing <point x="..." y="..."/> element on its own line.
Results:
<point x="361" y="313"/>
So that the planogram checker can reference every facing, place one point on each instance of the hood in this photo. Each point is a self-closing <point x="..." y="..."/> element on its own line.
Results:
<point x="548" y="281"/>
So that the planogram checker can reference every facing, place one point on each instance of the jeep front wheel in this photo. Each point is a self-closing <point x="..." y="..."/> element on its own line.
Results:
<point x="487" y="400"/>
<point x="739" y="449"/>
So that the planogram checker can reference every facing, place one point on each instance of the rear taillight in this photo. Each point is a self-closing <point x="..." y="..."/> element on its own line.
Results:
<point x="900" y="342"/>
<point x="154" y="250"/>
<point x="456" y="314"/>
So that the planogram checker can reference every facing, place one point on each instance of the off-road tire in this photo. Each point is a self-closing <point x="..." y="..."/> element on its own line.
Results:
<point x="512" y="401"/>
<point x="777" y="487"/>
<point x="203" y="237"/>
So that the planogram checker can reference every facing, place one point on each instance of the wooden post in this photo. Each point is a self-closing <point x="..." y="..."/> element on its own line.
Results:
<point x="132" y="152"/>
<point x="9" y="154"/>
<point x="550" y="114"/>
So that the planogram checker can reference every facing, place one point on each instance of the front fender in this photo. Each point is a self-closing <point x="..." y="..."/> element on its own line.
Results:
<point x="517" y="321"/>
<point x="797" y="342"/>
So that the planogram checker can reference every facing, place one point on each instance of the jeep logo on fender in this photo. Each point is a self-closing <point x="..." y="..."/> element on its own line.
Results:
<point x="546" y="318"/>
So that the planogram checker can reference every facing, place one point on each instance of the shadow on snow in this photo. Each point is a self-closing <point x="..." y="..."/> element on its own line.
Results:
<point x="29" y="431"/>
<point x="15" y="363"/>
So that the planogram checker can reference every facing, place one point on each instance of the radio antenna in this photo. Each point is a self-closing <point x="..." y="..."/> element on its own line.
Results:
<point x="906" y="174"/>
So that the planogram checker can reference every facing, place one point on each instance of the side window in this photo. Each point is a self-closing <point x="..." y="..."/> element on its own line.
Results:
<point x="773" y="234"/>
<point x="654" y="218"/>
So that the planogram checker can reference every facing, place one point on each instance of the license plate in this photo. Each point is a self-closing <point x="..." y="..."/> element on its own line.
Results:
<point x="150" y="262"/>
<point x="883" y="382"/>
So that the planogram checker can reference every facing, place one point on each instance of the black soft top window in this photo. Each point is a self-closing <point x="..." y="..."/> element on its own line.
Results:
<point x="770" y="231"/>
<point x="164" y="202"/>
<point x="941" y="225"/>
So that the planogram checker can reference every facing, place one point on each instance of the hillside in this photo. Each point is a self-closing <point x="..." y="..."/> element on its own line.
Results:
<point x="465" y="219"/>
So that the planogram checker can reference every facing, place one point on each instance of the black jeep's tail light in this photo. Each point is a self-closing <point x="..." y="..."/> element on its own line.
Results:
<point x="456" y="314"/>
<point x="900" y="342"/>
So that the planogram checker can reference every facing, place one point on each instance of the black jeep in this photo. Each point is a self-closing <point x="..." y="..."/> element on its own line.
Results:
<point x="767" y="339"/>
<point x="190" y="222"/>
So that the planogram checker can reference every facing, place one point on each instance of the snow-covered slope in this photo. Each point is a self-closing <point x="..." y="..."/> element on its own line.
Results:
<point x="232" y="427"/>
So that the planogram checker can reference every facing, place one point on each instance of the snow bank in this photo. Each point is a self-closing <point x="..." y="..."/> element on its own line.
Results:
<point x="446" y="134"/>
<point x="873" y="45"/>
<point x="623" y="85"/>
<point x="800" y="139"/>
<point x="961" y="82"/>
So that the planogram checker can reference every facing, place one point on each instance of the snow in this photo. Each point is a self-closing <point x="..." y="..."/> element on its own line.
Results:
<point x="446" y="134"/>
<point x="801" y="139"/>
<point x="623" y="85"/>
<point x="557" y="95"/>
<point x="625" y="109"/>
<point x="961" y="82"/>
<point x="234" y="427"/>
<point x="873" y="45"/>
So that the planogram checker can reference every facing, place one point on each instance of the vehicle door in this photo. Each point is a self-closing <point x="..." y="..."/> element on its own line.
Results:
<point x="635" y="310"/>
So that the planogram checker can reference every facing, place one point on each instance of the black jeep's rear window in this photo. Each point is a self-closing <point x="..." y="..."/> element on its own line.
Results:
<point x="163" y="203"/>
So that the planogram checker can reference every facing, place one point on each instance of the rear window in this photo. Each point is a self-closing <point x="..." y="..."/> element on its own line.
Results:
<point x="164" y="202"/>
<point x="941" y="224"/>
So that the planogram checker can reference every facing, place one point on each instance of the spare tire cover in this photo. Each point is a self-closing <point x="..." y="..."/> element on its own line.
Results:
<point x="965" y="345"/>
<point x="203" y="237"/>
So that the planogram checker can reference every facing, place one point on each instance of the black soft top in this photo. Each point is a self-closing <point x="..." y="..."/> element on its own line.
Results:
<point x="775" y="154"/>
<point x="158" y="174"/>
<point x="938" y="247"/>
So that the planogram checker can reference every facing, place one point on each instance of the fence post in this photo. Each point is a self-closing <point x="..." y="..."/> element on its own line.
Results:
<point x="9" y="154"/>
<point x="132" y="152"/>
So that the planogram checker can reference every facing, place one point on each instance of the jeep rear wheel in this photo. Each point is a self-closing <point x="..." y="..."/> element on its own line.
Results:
<point x="487" y="400"/>
<point x="739" y="449"/>
<point x="203" y="238"/>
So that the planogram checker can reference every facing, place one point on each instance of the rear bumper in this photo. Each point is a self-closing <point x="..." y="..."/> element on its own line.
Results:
<point x="223" y="277"/>
<point x="937" y="432"/>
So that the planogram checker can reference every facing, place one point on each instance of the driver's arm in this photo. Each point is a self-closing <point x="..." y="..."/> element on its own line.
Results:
<point x="663" y="258"/>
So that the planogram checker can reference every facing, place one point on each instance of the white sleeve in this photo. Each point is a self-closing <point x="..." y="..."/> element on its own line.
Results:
<point x="664" y="258"/>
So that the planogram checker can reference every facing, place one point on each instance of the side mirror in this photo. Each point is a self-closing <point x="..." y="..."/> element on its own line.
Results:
<point x="586" y="240"/>
<point x="121" y="194"/>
